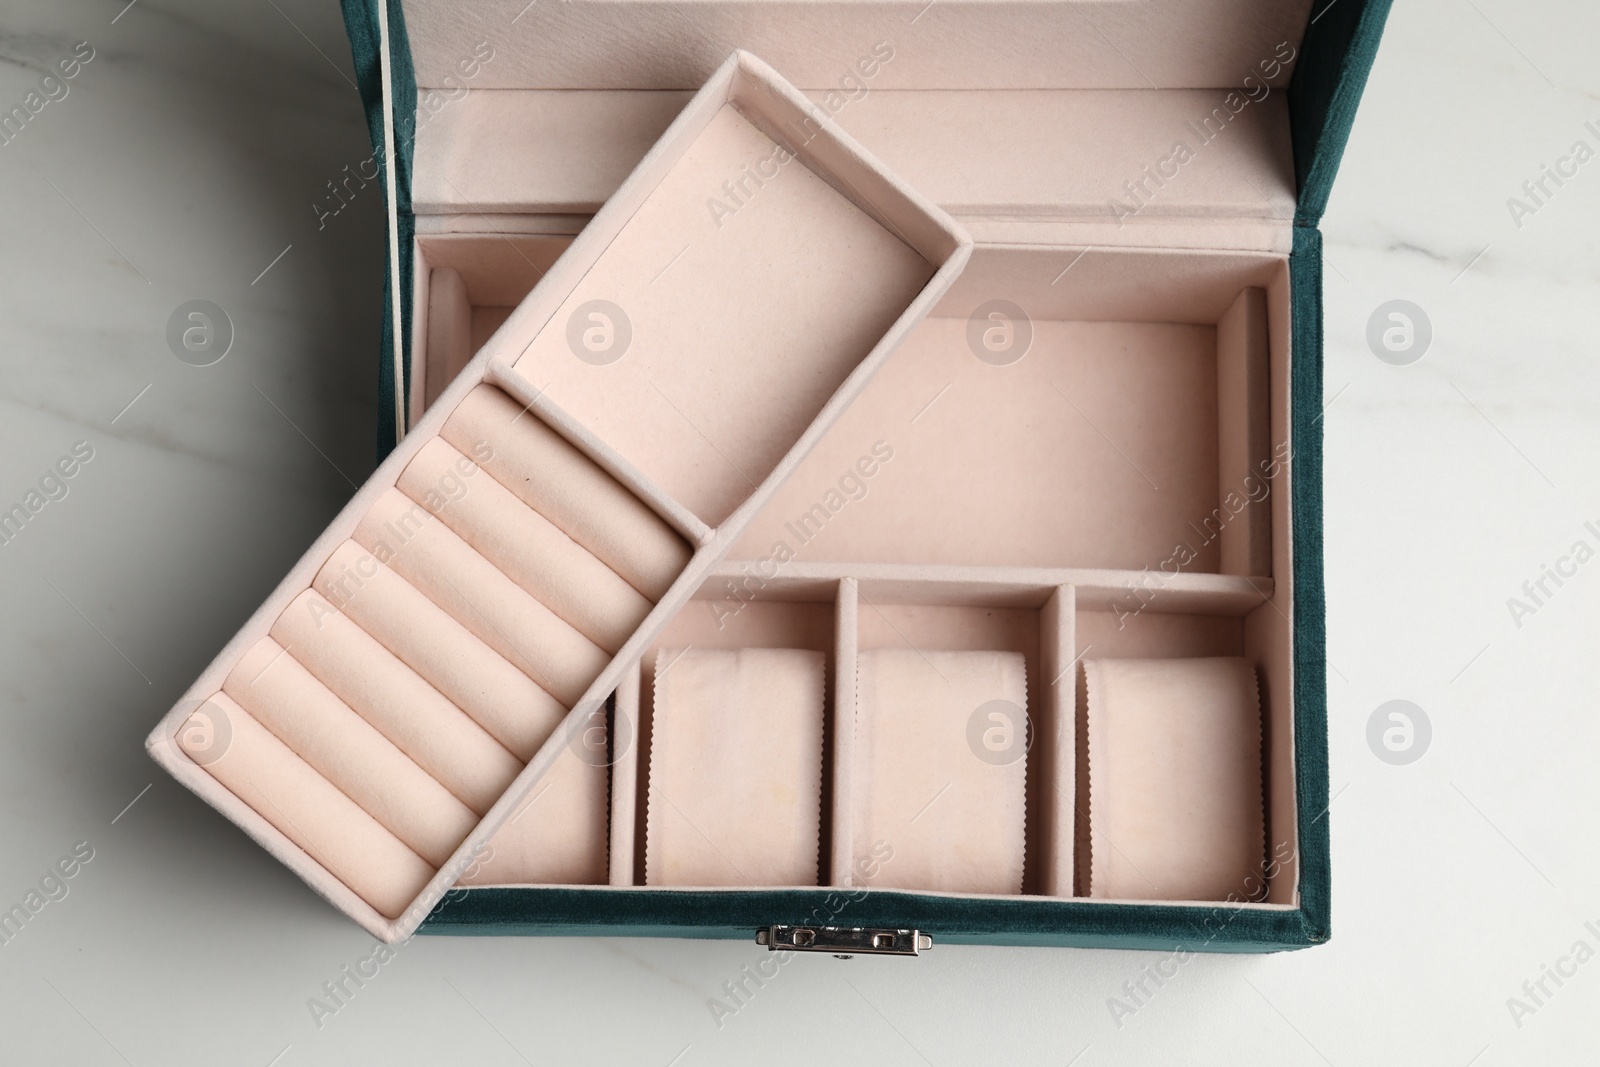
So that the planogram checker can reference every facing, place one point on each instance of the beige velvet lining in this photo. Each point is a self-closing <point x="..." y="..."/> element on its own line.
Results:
<point x="565" y="487"/>
<point x="427" y="554"/>
<point x="735" y="768"/>
<point x="1028" y="155"/>
<point x="1175" y="800"/>
<point x="557" y="836"/>
<point x="347" y="750"/>
<point x="528" y="548"/>
<point x="963" y="505"/>
<point x="940" y="769"/>
<point x="449" y="323"/>
<point x="504" y="701"/>
<point x="961" y="44"/>
<point x="422" y="723"/>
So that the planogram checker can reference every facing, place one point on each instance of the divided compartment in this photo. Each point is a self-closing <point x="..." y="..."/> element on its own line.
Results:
<point x="712" y="623"/>
<point x="1123" y="410"/>
<point x="724" y="616"/>
<point x="1146" y="369"/>
<point x="1052" y="620"/>
<point x="667" y="339"/>
<point x="841" y="616"/>
<point x="1128" y="436"/>
<point x="465" y="285"/>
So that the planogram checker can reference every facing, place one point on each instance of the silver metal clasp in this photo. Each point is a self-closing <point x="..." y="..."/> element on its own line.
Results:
<point x="845" y="941"/>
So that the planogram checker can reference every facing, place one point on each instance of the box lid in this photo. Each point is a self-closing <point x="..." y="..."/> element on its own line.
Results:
<point x="1010" y="116"/>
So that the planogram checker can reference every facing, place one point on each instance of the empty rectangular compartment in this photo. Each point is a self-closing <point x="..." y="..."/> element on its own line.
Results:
<point x="1179" y="776"/>
<point x="782" y="282"/>
<point x="465" y="286"/>
<point x="1124" y="423"/>
<point x="1174" y="792"/>
<point x="938" y="773"/>
<point x="718" y="626"/>
<point x="557" y="836"/>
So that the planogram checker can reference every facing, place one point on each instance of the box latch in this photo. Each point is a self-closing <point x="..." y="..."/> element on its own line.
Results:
<point x="845" y="941"/>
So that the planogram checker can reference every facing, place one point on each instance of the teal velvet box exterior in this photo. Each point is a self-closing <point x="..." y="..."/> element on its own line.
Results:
<point x="1337" y="52"/>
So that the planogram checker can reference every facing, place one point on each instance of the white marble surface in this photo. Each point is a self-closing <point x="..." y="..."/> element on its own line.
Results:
<point x="188" y="154"/>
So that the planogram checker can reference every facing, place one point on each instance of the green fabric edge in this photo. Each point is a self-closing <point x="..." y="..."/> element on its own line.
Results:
<point x="1310" y="600"/>
<point x="1336" y="56"/>
<point x="737" y="914"/>
<point x="361" y="26"/>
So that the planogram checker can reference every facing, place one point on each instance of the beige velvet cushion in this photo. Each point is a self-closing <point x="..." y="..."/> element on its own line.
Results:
<point x="954" y="819"/>
<point x="431" y="557"/>
<point x="530" y="550"/>
<point x="566" y="487"/>
<point x="500" y="698"/>
<point x="735" y="768"/>
<point x="558" y="837"/>
<point x="441" y="738"/>
<point x="287" y="699"/>
<point x="303" y="805"/>
<point x="1175" y="800"/>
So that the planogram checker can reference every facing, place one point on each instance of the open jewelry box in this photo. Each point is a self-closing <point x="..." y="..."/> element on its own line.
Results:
<point x="1100" y="450"/>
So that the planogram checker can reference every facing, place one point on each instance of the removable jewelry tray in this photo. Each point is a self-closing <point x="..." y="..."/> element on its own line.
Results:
<point x="699" y="337"/>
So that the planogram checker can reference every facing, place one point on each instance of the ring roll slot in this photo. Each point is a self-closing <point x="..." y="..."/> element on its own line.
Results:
<point x="558" y="835"/>
<point x="550" y="566"/>
<point x="438" y="736"/>
<point x="735" y="790"/>
<point x="568" y="488"/>
<point x="304" y="806"/>
<point x="1175" y="797"/>
<point x="348" y="751"/>
<point x="940" y="766"/>
<point x="473" y="676"/>
<point x="424" y="552"/>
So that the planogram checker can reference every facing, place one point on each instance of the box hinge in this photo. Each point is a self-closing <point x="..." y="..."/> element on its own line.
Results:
<point x="845" y="941"/>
